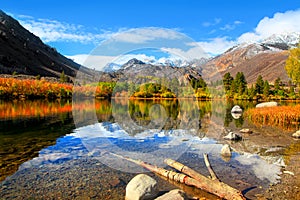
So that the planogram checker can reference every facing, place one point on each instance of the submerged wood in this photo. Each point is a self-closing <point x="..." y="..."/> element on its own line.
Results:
<point x="215" y="187"/>
<point x="194" y="179"/>
<point x="211" y="171"/>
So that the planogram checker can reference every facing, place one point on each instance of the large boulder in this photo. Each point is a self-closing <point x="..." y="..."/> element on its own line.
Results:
<point x="267" y="104"/>
<point x="175" y="194"/>
<point x="141" y="187"/>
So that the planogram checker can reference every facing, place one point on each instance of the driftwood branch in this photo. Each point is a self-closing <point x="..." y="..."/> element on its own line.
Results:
<point x="215" y="187"/>
<point x="191" y="178"/>
<point x="211" y="171"/>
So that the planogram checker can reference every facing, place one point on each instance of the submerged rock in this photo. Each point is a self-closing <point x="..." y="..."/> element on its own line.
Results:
<point x="141" y="187"/>
<point x="297" y="134"/>
<point x="233" y="136"/>
<point x="267" y="104"/>
<point x="226" y="151"/>
<point x="175" y="194"/>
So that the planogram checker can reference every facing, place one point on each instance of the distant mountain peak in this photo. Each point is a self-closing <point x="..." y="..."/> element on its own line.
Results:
<point x="289" y="38"/>
<point x="134" y="61"/>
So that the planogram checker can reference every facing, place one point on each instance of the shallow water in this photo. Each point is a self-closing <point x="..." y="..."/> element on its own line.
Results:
<point x="45" y="155"/>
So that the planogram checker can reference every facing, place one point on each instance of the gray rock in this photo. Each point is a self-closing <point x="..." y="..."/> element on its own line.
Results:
<point x="226" y="151"/>
<point x="297" y="134"/>
<point x="141" y="187"/>
<point x="267" y="104"/>
<point x="236" y="109"/>
<point x="233" y="136"/>
<point x="173" y="195"/>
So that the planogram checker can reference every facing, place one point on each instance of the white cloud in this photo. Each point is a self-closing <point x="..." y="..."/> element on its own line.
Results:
<point x="92" y="61"/>
<point x="230" y="26"/>
<point x="52" y="30"/>
<point x="278" y="24"/>
<point x="142" y="35"/>
<point x="217" y="45"/>
<point x="195" y="52"/>
<point x="215" y="22"/>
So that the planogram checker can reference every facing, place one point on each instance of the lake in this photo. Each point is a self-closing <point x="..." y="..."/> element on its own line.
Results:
<point x="64" y="149"/>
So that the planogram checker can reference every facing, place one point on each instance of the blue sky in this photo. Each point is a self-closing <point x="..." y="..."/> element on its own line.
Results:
<point x="75" y="28"/>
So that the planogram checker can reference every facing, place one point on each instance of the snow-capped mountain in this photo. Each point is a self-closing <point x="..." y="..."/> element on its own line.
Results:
<point x="111" y="67"/>
<point x="266" y="58"/>
<point x="290" y="39"/>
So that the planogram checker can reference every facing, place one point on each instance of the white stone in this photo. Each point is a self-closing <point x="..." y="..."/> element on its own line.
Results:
<point x="245" y="130"/>
<point x="141" y="187"/>
<point x="236" y="109"/>
<point x="226" y="151"/>
<point x="297" y="134"/>
<point x="232" y="136"/>
<point x="173" y="195"/>
<point x="267" y="104"/>
<point x="236" y="115"/>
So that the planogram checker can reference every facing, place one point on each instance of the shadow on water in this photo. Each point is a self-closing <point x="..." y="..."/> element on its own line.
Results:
<point x="26" y="127"/>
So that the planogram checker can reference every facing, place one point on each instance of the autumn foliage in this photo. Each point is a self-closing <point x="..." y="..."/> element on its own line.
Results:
<point x="11" y="88"/>
<point x="33" y="89"/>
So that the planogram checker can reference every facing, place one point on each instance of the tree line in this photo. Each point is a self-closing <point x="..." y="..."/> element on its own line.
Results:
<point x="237" y="88"/>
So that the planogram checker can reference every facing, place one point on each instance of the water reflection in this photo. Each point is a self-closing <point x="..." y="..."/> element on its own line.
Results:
<point x="26" y="127"/>
<point x="41" y="137"/>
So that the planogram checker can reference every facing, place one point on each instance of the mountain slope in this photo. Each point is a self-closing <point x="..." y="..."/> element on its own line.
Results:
<point x="24" y="53"/>
<point x="266" y="58"/>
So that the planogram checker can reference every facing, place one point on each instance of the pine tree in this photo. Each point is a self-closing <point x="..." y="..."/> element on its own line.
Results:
<point x="240" y="83"/>
<point x="266" y="90"/>
<point x="227" y="81"/>
<point x="259" y="85"/>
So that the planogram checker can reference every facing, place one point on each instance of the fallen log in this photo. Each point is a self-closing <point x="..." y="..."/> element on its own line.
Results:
<point x="215" y="186"/>
<point x="194" y="179"/>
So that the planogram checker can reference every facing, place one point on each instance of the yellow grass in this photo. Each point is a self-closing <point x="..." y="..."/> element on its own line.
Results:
<point x="287" y="117"/>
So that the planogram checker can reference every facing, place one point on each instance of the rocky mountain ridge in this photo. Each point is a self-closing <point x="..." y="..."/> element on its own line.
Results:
<point x="266" y="58"/>
<point x="21" y="52"/>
